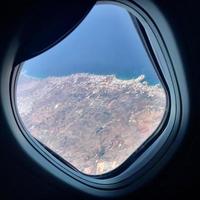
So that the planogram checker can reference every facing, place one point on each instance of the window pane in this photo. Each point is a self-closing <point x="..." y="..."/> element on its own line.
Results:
<point x="94" y="98"/>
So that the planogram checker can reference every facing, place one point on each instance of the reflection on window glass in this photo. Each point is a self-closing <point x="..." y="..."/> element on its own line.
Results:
<point x="94" y="98"/>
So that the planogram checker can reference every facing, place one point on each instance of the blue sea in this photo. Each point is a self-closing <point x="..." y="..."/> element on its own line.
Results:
<point x="105" y="43"/>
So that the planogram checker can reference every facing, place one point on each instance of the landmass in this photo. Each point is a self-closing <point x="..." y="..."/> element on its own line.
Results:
<point x="94" y="122"/>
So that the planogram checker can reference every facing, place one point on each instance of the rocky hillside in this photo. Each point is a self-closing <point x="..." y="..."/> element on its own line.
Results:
<point x="94" y="122"/>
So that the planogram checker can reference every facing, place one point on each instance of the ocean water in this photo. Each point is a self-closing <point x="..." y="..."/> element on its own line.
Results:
<point x="105" y="43"/>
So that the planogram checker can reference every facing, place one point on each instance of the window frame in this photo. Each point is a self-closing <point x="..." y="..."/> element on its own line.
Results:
<point x="129" y="160"/>
<point x="145" y="166"/>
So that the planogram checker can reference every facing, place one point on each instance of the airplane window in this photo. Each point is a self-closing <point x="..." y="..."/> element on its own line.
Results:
<point x="95" y="98"/>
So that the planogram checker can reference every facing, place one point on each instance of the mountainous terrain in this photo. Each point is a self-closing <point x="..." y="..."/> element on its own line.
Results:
<point x="94" y="122"/>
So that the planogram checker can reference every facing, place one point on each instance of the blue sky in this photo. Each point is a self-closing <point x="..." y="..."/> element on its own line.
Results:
<point x="106" y="42"/>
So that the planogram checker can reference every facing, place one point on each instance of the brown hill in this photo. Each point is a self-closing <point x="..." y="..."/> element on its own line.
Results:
<point x="93" y="122"/>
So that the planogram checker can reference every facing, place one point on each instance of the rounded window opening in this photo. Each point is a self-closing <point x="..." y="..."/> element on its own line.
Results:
<point x="95" y="98"/>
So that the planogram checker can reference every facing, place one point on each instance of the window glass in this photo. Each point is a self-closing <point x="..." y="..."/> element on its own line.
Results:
<point x="95" y="97"/>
